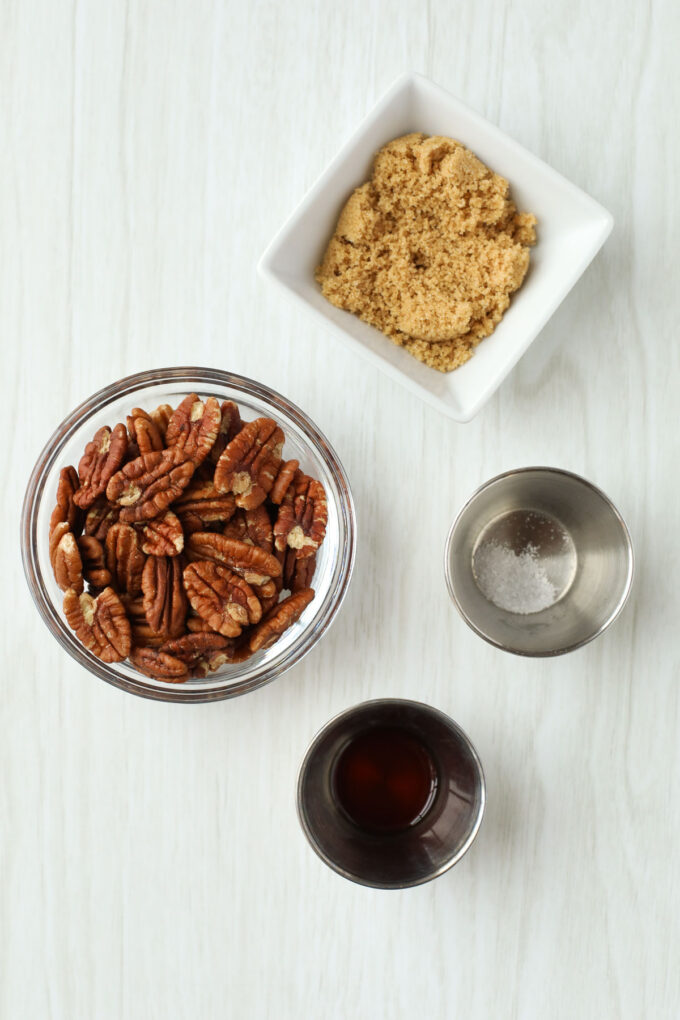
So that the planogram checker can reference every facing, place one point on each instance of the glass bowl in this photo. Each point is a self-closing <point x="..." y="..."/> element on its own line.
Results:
<point x="304" y="442"/>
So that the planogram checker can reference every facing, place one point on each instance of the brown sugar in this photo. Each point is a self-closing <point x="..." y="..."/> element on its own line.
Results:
<point x="429" y="250"/>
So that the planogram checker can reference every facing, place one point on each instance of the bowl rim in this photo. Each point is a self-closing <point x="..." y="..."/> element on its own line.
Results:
<point x="304" y="766"/>
<point x="628" y="541"/>
<point x="601" y="222"/>
<point x="202" y="377"/>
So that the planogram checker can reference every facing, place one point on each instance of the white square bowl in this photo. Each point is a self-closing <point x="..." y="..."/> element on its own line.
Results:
<point x="571" y="229"/>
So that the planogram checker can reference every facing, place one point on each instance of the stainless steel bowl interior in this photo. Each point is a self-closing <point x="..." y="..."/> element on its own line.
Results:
<point x="303" y="441"/>
<point x="424" y="850"/>
<point x="593" y="571"/>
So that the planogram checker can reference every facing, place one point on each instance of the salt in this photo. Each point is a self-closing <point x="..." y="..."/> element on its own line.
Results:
<point x="516" y="582"/>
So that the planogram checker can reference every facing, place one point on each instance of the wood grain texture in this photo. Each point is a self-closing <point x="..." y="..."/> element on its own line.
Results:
<point x="150" y="859"/>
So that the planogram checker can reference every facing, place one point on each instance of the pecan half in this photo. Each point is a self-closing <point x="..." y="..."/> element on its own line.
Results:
<point x="66" y="510"/>
<point x="302" y="519"/>
<point x="143" y="431"/>
<point x="267" y="595"/>
<point x="65" y="558"/>
<point x="145" y="636"/>
<point x="284" y="479"/>
<point x="124" y="558"/>
<point x="197" y="625"/>
<point x="134" y="607"/>
<point x="193" y="428"/>
<point x="165" y="601"/>
<point x="161" y="418"/>
<point x="268" y="598"/>
<point x="203" y="499"/>
<point x="237" y="651"/>
<point x="252" y="526"/>
<point x="191" y="648"/>
<point x="259" y="528"/>
<point x="212" y="661"/>
<point x="279" y="619"/>
<point x="93" y="559"/>
<point x="190" y="523"/>
<point x="249" y="463"/>
<point x="236" y="527"/>
<point x="287" y="558"/>
<point x="102" y="458"/>
<point x="142" y="631"/>
<point x="159" y="665"/>
<point x="230" y="426"/>
<point x="297" y="573"/>
<point x="146" y="486"/>
<point x="221" y="597"/>
<point x="163" y="536"/>
<point x="100" y="517"/>
<point x="255" y="565"/>
<point x="100" y="623"/>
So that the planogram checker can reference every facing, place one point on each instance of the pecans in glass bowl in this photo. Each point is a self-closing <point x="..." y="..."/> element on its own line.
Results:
<point x="204" y="524"/>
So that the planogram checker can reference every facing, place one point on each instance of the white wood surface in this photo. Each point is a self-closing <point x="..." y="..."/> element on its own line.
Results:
<point x="151" y="863"/>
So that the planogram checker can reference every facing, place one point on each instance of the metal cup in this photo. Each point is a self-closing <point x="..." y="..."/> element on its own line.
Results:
<point x="411" y="856"/>
<point x="576" y="535"/>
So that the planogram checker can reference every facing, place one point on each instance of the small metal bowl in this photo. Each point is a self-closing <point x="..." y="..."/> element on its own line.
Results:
<point x="424" y="850"/>
<point x="539" y="561"/>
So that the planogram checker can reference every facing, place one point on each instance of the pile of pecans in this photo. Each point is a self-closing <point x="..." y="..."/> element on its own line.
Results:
<point x="186" y="526"/>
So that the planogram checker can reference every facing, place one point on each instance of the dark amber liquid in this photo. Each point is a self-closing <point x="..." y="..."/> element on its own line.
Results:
<point x="385" y="779"/>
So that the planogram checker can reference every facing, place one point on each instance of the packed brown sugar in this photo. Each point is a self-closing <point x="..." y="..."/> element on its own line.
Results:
<point x="429" y="250"/>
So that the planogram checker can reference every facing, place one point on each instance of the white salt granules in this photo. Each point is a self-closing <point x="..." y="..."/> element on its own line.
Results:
<point x="516" y="582"/>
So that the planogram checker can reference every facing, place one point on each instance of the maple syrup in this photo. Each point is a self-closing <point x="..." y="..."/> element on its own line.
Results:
<point x="384" y="779"/>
